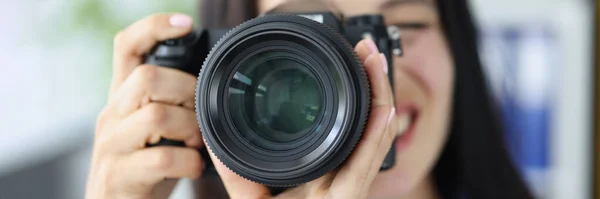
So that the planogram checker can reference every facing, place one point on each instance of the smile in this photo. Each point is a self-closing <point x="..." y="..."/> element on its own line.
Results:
<point x="407" y="122"/>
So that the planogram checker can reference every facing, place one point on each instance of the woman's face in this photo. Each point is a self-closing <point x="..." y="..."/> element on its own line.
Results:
<point x="423" y="79"/>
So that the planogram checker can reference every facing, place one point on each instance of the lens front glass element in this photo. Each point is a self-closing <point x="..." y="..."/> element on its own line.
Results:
<point x="274" y="99"/>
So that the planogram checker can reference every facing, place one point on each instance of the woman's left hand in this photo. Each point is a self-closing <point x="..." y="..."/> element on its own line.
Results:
<point x="354" y="178"/>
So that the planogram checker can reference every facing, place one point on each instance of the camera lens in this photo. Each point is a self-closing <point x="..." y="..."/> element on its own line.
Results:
<point x="282" y="100"/>
<point x="274" y="99"/>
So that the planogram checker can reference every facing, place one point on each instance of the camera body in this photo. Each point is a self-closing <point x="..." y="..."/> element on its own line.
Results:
<point x="188" y="53"/>
<point x="244" y="72"/>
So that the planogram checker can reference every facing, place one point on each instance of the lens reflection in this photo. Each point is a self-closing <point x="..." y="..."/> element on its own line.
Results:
<point x="274" y="98"/>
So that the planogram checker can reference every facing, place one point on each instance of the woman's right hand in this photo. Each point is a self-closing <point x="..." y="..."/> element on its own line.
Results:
<point x="145" y="103"/>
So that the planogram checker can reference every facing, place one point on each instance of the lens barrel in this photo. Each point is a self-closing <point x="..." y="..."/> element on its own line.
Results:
<point x="282" y="100"/>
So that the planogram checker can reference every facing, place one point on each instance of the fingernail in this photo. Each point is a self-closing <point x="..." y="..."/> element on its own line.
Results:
<point x="372" y="47"/>
<point x="392" y="114"/>
<point x="180" y="20"/>
<point x="384" y="63"/>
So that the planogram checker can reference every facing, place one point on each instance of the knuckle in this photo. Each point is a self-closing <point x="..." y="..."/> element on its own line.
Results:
<point x="102" y="116"/>
<point x="119" y="43"/>
<point x="103" y="138"/>
<point x="386" y="107"/>
<point x="162" y="160"/>
<point x="152" y="22"/>
<point x="119" y="38"/>
<point x="146" y="74"/>
<point x="370" y="62"/>
<point x="101" y="120"/>
<point x="157" y="114"/>
<point x="104" y="145"/>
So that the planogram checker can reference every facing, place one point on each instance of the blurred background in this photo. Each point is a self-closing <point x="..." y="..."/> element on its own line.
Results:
<point x="539" y="57"/>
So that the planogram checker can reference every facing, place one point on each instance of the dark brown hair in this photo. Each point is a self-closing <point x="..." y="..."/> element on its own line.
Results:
<point x="226" y="13"/>
<point x="474" y="162"/>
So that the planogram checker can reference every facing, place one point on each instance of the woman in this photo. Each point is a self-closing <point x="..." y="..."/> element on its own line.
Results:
<point x="449" y="143"/>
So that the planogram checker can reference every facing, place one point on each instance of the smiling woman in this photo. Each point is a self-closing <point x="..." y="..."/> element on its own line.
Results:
<point x="436" y="110"/>
<point x="450" y="141"/>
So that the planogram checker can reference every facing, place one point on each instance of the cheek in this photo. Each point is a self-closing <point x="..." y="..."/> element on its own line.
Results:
<point x="428" y="60"/>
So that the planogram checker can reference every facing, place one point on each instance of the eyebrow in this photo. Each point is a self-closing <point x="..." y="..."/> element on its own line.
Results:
<point x="390" y="3"/>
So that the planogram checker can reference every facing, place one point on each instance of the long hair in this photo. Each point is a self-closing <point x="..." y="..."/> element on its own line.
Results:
<point x="474" y="162"/>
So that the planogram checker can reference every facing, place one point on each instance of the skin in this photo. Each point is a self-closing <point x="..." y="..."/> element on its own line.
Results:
<point x="148" y="102"/>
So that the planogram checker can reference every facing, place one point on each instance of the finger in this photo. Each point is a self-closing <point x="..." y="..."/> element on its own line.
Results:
<point x="376" y="67"/>
<point x="137" y="39"/>
<point x="238" y="187"/>
<point x="152" y="165"/>
<point x="384" y="148"/>
<point x="356" y="172"/>
<point x="148" y="83"/>
<point x="105" y="120"/>
<point x="152" y="122"/>
<point x="364" y="48"/>
<point x="312" y="189"/>
<point x="381" y="92"/>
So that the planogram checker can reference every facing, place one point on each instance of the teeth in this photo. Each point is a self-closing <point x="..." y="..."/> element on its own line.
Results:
<point x="403" y="124"/>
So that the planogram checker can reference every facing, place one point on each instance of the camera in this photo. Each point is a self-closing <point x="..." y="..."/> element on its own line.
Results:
<point x="281" y="99"/>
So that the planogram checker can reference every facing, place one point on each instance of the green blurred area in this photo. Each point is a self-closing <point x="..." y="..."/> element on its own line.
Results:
<point x="99" y="13"/>
<point x="100" y="20"/>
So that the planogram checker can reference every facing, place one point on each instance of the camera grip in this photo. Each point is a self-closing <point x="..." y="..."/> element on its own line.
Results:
<point x="162" y="56"/>
<point x="177" y="54"/>
<point x="390" y="158"/>
<point x="183" y="54"/>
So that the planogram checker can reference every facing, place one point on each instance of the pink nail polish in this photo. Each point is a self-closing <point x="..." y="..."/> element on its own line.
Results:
<point x="384" y="63"/>
<point x="182" y="21"/>
<point x="392" y="113"/>
<point x="372" y="47"/>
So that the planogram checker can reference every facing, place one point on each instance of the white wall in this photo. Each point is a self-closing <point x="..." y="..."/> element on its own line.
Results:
<point x="44" y="86"/>
<point x="571" y="157"/>
<point x="54" y="80"/>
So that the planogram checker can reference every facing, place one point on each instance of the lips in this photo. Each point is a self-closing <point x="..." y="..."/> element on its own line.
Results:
<point x="407" y="117"/>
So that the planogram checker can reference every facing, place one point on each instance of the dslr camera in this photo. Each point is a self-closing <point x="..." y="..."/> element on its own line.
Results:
<point x="281" y="99"/>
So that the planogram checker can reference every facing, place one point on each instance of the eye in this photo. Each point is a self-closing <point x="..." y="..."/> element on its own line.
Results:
<point x="412" y="25"/>
<point x="410" y="31"/>
<point x="412" y="18"/>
